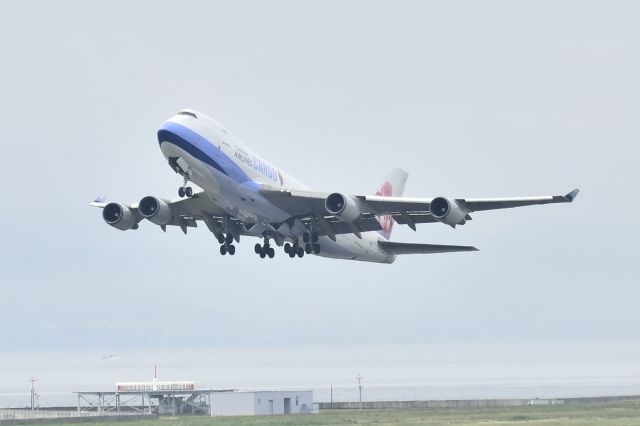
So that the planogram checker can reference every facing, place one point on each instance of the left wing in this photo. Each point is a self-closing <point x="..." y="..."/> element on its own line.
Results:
<point x="338" y="213"/>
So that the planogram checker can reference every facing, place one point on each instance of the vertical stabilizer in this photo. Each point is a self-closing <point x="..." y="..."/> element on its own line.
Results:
<point x="393" y="186"/>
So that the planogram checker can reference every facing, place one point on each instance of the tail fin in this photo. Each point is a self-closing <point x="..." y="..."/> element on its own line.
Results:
<point x="393" y="186"/>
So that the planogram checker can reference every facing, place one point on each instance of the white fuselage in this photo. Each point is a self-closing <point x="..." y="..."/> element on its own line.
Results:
<point x="233" y="175"/>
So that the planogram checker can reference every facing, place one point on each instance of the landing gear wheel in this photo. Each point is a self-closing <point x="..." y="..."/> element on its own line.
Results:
<point x="228" y="239"/>
<point x="271" y="252"/>
<point x="316" y="248"/>
<point x="232" y="250"/>
<point x="263" y="254"/>
<point x="292" y="254"/>
<point x="181" y="192"/>
<point x="257" y="248"/>
<point x="314" y="237"/>
<point x="223" y="250"/>
<point x="306" y="237"/>
<point x="308" y="248"/>
<point x="220" y="239"/>
<point x="188" y="191"/>
<point x="300" y="252"/>
<point x="287" y="248"/>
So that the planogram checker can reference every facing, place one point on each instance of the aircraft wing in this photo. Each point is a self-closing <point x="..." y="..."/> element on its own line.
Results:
<point x="198" y="205"/>
<point x="480" y="204"/>
<point x="185" y="212"/>
<point x="310" y="207"/>
<point x="301" y="203"/>
<point x="202" y="207"/>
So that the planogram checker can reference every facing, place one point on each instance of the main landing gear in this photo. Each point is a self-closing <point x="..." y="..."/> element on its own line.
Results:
<point x="293" y="250"/>
<point x="265" y="249"/>
<point x="311" y="242"/>
<point x="227" y="245"/>
<point x="311" y="245"/>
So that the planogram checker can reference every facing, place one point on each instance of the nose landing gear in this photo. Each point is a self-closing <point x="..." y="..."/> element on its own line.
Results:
<point x="185" y="190"/>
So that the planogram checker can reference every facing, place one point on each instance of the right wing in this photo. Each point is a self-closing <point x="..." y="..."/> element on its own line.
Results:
<point x="181" y="212"/>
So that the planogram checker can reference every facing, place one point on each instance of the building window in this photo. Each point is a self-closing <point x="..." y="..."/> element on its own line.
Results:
<point x="258" y="400"/>
<point x="296" y="401"/>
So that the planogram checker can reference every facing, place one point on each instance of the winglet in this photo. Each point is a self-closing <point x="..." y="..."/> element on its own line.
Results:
<point x="99" y="201"/>
<point x="572" y="195"/>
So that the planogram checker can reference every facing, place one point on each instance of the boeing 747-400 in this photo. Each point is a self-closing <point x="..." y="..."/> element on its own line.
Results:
<point x="245" y="195"/>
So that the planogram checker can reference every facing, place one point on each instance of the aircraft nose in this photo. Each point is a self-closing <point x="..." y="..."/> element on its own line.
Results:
<point x="164" y="132"/>
<point x="173" y="135"/>
<point x="176" y="134"/>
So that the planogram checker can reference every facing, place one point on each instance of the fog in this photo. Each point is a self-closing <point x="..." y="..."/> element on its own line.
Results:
<point x="472" y="99"/>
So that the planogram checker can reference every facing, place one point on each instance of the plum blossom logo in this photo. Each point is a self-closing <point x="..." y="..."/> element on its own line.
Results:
<point x="386" y="221"/>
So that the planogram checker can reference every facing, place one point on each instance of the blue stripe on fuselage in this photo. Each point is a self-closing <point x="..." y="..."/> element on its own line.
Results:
<point x="202" y="149"/>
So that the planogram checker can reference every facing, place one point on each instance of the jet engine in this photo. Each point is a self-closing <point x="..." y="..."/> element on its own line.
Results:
<point x="346" y="208"/>
<point x="448" y="211"/>
<point x="155" y="210"/>
<point x="119" y="216"/>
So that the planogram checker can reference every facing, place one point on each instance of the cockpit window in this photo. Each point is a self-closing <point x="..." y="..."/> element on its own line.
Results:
<point x="188" y="113"/>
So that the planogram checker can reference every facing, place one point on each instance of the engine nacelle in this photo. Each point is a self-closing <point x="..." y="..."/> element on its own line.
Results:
<point x="119" y="216"/>
<point x="448" y="211"/>
<point x="346" y="208"/>
<point x="155" y="210"/>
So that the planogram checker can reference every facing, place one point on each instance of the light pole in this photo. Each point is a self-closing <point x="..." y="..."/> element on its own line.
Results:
<point x="34" y="396"/>
<point x="360" y="389"/>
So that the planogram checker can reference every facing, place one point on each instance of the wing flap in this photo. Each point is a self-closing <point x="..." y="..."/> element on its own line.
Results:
<point x="394" y="205"/>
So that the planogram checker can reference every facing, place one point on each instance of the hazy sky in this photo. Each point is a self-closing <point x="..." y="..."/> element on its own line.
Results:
<point x="471" y="98"/>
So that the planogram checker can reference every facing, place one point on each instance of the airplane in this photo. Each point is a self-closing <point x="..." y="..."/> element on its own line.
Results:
<point x="242" y="194"/>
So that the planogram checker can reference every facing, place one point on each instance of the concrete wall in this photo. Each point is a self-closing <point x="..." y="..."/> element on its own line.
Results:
<point x="300" y="402"/>
<point x="260" y="403"/>
<point x="233" y="404"/>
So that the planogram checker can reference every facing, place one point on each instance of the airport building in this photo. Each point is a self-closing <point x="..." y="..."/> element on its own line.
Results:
<point x="155" y="397"/>
<point x="267" y="402"/>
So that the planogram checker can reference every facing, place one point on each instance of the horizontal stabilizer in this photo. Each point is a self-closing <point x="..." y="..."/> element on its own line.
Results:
<point x="408" y="248"/>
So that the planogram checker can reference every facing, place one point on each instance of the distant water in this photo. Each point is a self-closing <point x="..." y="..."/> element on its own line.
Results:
<point x="390" y="372"/>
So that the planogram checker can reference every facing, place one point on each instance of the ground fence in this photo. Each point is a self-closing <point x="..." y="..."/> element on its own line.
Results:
<point x="466" y="403"/>
<point x="10" y="416"/>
